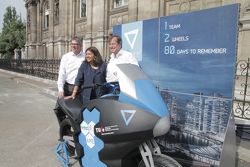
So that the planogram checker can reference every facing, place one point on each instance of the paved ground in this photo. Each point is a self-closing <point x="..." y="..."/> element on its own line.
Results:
<point x="29" y="129"/>
<point x="243" y="153"/>
<point x="28" y="126"/>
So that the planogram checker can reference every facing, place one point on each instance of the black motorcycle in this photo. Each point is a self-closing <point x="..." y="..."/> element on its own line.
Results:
<point x="117" y="129"/>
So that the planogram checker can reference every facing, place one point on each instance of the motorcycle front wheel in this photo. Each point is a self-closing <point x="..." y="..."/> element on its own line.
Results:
<point x="162" y="161"/>
<point x="66" y="133"/>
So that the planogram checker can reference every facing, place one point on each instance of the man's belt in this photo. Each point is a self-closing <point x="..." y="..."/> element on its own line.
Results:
<point x="66" y="83"/>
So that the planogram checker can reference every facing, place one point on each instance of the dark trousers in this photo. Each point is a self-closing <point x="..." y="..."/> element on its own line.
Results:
<point x="68" y="89"/>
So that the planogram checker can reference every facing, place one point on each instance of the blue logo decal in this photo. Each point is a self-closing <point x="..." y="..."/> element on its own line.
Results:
<point x="127" y="115"/>
<point x="91" y="143"/>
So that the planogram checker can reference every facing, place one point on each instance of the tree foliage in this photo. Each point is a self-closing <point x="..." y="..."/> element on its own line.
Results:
<point x="13" y="33"/>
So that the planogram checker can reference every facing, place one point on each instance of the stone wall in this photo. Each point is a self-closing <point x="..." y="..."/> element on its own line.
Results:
<point x="53" y="41"/>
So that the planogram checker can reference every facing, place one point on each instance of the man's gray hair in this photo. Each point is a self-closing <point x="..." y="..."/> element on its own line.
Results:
<point x="78" y="39"/>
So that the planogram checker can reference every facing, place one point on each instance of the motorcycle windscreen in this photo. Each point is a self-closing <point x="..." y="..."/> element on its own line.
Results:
<point x="138" y="90"/>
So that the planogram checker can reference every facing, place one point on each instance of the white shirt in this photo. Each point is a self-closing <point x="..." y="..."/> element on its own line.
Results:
<point x="122" y="57"/>
<point x="69" y="66"/>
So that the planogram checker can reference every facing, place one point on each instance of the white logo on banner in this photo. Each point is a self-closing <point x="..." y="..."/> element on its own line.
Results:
<point x="131" y="37"/>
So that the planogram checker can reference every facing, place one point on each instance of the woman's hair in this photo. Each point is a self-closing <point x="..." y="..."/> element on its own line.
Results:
<point x="97" y="61"/>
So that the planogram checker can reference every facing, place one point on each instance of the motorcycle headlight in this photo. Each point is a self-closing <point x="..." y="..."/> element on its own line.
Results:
<point x="162" y="126"/>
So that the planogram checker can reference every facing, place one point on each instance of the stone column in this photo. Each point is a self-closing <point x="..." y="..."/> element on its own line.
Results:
<point x="50" y="43"/>
<point x="17" y="54"/>
<point x="88" y="33"/>
<point x="133" y="10"/>
<point x="148" y="9"/>
<point x="98" y="19"/>
<point x="32" y="38"/>
<point x="244" y="35"/>
<point x="27" y="27"/>
<point x="23" y="53"/>
<point x="66" y="24"/>
<point x="39" y="54"/>
<point x="33" y="21"/>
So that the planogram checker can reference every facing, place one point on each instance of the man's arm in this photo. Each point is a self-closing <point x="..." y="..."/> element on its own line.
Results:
<point x="111" y="73"/>
<point x="61" y="78"/>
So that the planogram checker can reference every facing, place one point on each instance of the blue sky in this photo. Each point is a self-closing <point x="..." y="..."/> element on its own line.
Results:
<point x="18" y="4"/>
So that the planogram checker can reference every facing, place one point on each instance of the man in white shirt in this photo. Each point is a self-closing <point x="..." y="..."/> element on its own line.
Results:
<point x="69" y="65"/>
<point x="118" y="56"/>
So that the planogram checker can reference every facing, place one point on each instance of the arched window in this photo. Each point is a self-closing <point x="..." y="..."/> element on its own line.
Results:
<point x="56" y="11"/>
<point x="119" y="3"/>
<point x="46" y="15"/>
<point x="83" y="8"/>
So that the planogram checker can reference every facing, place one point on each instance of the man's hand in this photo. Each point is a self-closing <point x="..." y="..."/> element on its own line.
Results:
<point x="60" y="94"/>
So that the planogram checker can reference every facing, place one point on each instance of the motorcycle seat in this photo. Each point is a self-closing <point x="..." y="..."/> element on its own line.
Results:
<point x="71" y="108"/>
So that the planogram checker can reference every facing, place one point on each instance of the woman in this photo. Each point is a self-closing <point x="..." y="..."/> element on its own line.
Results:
<point x="92" y="71"/>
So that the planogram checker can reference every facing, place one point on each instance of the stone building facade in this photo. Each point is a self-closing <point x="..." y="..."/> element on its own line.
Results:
<point x="52" y="23"/>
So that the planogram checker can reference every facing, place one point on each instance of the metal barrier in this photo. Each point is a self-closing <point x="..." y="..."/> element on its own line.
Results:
<point x="41" y="68"/>
<point x="241" y="104"/>
<point x="48" y="69"/>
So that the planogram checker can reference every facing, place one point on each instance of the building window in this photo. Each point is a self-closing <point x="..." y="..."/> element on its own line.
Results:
<point x="83" y="8"/>
<point x="28" y="19"/>
<point x="46" y="15"/>
<point x="56" y="11"/>
<point x="119" y="3"/>
<point x="46" y="20"/>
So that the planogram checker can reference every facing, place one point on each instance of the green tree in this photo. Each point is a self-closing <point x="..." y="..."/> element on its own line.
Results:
<point x="13" y="33"/>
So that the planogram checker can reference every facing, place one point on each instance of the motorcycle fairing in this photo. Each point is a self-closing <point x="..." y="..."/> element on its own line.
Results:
<point x="111" y="114"/>
<point x="121" y="141"/>
<point x="138" y="90"/>
<point x="126" y="122"/>
<point x="90" y="142"/>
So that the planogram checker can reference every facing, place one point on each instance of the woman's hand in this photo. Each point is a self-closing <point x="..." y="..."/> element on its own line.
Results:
<point x="73" y="96"/>
<point x="69" y="97"/>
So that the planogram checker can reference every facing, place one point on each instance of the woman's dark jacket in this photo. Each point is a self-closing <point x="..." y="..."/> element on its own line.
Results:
<point x="88" y="76"/>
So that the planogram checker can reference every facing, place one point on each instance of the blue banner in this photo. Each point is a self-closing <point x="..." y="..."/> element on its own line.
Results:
<point x="193" y="56"/>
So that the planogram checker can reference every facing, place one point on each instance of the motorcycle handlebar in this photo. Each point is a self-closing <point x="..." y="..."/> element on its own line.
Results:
<point x="111" y="86"/>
